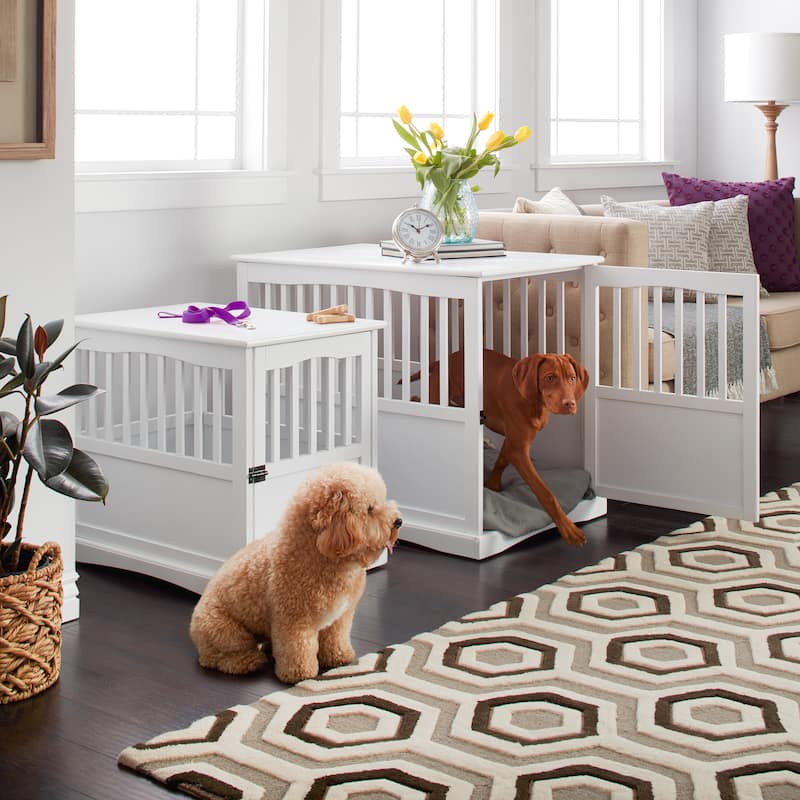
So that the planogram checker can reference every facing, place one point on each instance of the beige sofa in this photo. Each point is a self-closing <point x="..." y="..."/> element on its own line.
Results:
<point x="623" y="242"/>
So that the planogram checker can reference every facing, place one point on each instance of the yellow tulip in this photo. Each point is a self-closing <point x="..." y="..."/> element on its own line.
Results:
<point x="486" y="121"/>
<point x="436" y="130"/>
<point x="405" y="115"/>
<point x="495" y="140"/>
<point x="420" y="157"/>
<point x="522" y="133"/>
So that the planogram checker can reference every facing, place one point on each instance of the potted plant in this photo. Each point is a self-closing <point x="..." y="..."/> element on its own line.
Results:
<point x="30" y="576"/>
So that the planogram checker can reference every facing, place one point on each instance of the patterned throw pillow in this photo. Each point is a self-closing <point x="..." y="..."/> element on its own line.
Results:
<point x="771" y="216"/>
<point x="729" y="247"/>
<point x="554" y="202"/>
<point x="678" y="236"/>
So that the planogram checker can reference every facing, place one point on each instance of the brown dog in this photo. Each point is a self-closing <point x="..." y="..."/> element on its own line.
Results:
<point x="518" y="397"/>
<point x="299" y="585"/>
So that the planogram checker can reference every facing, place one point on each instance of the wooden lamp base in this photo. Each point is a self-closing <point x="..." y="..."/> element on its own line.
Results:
<point x="771" y="111"/>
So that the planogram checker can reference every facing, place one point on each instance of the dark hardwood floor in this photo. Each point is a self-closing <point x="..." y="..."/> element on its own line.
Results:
<point x="129" y="669"/>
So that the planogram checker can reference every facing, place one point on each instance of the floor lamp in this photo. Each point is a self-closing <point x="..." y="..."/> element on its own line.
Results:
<point x="764" y="69"/>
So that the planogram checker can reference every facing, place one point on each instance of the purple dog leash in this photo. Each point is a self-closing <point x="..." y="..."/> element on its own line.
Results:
<point x="194" y="315"/>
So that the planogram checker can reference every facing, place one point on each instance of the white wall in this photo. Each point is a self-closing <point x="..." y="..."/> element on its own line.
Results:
<point x="731" y="137"/>
<point x="130" y="259"/>
<point x="37" y="271"/>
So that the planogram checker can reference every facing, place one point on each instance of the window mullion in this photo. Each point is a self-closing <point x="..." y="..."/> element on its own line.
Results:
<point x="619" y="70"/>
<point x="557" y="46"/>
<point x="358" y="84"/>
<point x="196" y="78"/>
<point x="239" y="100"/>
<point x="642" y="153"/>
<point x="444" y="61"/>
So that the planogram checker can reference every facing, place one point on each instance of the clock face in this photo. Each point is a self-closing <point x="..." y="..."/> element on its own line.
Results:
<point x="418" y="231"/>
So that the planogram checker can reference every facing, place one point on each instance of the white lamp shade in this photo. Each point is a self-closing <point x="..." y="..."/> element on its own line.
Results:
<point x="760" y="67"/>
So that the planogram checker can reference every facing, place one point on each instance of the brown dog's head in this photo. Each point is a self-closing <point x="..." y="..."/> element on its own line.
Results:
<point x="557" y="382"/>
<point x="349" y="513"/>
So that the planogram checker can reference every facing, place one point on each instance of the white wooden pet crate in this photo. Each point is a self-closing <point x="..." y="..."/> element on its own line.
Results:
<point x="431" y="455"/>
<point x="205" y="430"/>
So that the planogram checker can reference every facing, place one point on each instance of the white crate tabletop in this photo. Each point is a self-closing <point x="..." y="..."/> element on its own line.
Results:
<point x="271" y="327"/>
<point x="366" y="256"/>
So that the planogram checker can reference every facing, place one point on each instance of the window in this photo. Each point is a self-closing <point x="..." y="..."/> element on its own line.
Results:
<point x="606" y="80"/>
<point x="160" y="85"/>
<point x="438" y="57"/>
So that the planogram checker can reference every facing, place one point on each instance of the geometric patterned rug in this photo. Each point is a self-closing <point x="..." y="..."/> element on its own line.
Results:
<point x="668" y="672"/>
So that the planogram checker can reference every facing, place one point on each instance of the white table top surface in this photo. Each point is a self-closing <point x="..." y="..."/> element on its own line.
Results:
<point x="367" y="256"/>
<point x="271" y="327"/>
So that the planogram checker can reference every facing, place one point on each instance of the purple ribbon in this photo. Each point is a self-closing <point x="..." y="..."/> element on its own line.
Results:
<point x="195" y="315"/>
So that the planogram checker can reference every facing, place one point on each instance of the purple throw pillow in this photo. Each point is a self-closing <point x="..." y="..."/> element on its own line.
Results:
<point x="770" y="213"/>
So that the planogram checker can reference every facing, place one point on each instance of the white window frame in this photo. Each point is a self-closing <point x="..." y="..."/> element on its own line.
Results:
<point x="261" y="180"/>
<point x="375" y="181"/>
<point x="602" y="172"/>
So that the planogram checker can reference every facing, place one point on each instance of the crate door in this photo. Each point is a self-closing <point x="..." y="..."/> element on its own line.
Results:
<point x="312" y="408"/>
<point x="679" y="442"/>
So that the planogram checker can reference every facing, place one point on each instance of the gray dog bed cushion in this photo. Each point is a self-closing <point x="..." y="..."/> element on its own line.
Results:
<point x="515" y="510"/>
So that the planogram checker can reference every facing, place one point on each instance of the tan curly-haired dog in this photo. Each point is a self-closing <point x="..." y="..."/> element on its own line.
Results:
<point x="299" y="585"/>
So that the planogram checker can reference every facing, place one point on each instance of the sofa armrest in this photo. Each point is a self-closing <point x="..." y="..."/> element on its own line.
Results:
<point x="621" y="242"/>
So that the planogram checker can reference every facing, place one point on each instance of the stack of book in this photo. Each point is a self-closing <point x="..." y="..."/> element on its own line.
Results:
<point x="477" y="248"/>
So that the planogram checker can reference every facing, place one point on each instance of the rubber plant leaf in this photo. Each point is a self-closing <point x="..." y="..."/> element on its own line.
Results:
<point x="8" y="346"/>
<point x="40" y="372"/>
<point x="25" y="348"/>
<point x="57" y="363"/>
<point x="12" y="385"/>
<point x="48" y="448"/>
<point x="66" y="398"/>
<point x="53" y="330"/>
<point x="6" y="366"/>
<point x="40" y="342"/>
<point x="82" y="480"/>
<point x="8" y="424"/>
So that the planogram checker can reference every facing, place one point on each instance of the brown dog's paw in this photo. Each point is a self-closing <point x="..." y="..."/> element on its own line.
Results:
<point x="572" y="534"/>
<point x="494" y="485"/>
<point x="336" y="657"/>
<point x="294" y="673"/>
<point x="235" y="663"/>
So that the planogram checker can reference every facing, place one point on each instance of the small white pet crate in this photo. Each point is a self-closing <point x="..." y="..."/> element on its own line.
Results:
<point x="639" y="442"/>
<point x="205" y="430"/>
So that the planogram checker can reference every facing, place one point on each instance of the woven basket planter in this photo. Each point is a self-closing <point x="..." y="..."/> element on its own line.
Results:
<point x="30" y="624"/>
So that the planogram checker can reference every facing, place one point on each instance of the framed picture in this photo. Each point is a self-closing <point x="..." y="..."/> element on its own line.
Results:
<point x="27" y="79"/>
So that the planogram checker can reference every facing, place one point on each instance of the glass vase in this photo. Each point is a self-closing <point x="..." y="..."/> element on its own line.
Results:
<point x="456" y="208"/>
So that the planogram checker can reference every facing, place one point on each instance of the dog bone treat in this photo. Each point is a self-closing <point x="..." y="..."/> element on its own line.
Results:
<point x="341" y="309"/>
<point x="325" y="319"/>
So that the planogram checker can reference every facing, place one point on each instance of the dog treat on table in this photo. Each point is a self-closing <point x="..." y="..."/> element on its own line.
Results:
<point x="325" y="319"/>
<point x="341" y="309"/>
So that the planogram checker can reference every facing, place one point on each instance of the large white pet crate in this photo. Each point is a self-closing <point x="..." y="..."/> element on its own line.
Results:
<point x="640" y="442"/>
<point x="205" y="430"/>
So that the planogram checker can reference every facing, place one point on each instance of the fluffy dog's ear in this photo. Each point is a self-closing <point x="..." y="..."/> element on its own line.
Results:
<point x="583" y="377"/>
<point x="341" y="537"/>
<point x="338" y="529"/>
<point x="525" y="375"/>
